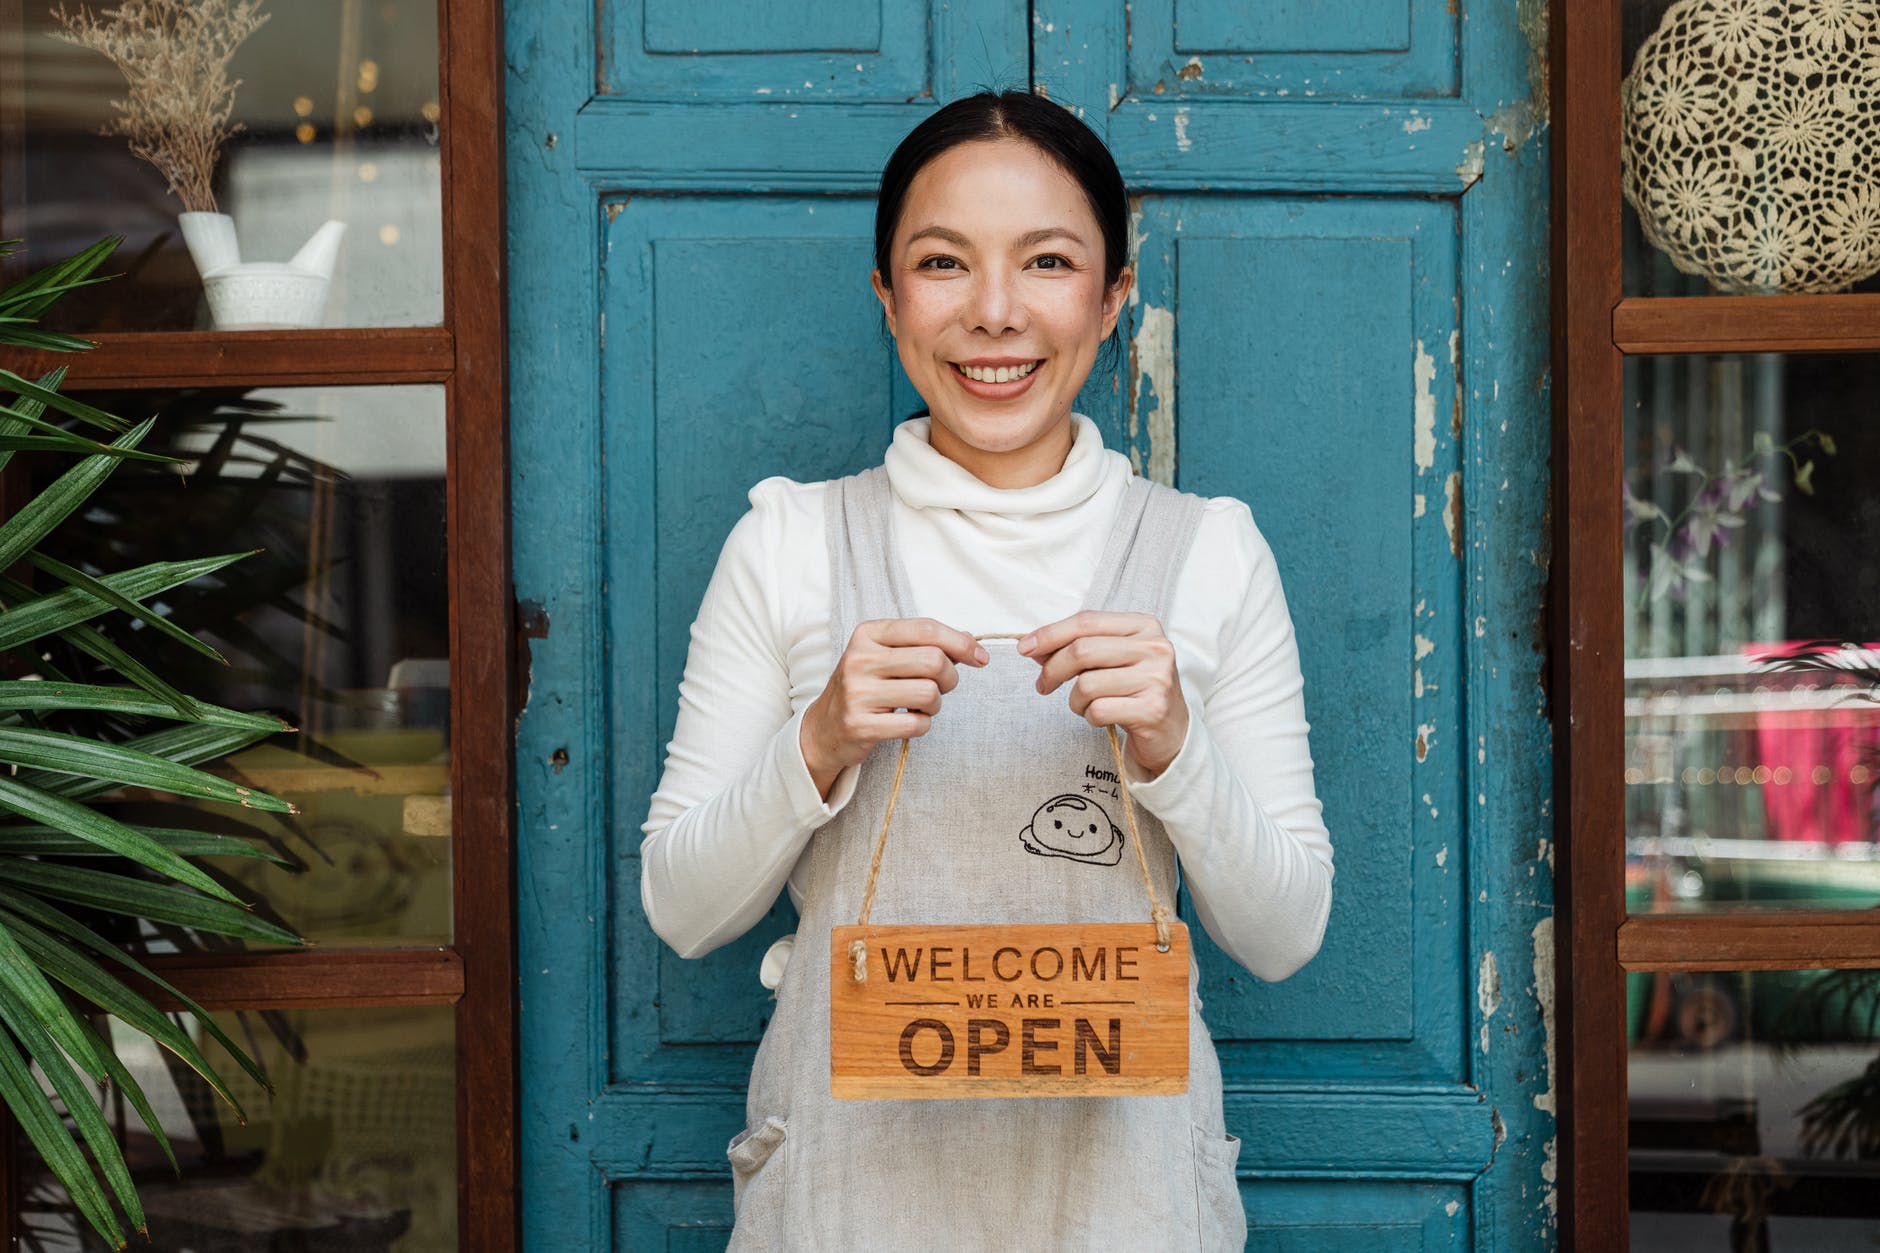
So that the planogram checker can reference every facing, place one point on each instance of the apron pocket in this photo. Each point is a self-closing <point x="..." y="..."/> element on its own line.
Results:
<point x="1219" y="1213"/>
<point x="757" y="1164"/>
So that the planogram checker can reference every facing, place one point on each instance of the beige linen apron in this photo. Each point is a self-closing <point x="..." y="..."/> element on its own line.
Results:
<point x="1009" y="812"/>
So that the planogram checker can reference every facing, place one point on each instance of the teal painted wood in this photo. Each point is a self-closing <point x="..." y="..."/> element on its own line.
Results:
<point x="1310" y="48"/>
<point x="1321" y="414"/>
<point x="1425" y="1132"/>
<point x="711" y="379"/>
<point x="1331" y="358"/>
<point x="1240" y="381"/>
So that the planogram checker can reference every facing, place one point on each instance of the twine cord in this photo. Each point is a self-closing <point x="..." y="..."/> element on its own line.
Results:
<point x="1158" y="913"/>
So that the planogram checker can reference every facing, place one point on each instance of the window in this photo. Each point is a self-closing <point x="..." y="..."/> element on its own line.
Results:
<point x="362" y="448"/>
<point x="1716" y="626"/>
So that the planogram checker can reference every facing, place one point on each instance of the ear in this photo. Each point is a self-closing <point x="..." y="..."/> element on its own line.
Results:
<point x="1114" y="297"/>
<point x="883" y="294"/>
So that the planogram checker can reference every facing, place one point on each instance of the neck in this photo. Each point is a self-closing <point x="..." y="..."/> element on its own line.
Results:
<point x="1013" y="468"/>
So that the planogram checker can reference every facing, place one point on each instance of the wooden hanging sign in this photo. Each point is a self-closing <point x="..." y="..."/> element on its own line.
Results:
<point x="1053" y="1010"/>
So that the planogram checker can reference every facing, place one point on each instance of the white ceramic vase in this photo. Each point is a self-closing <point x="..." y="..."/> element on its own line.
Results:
<point x="260" y="295"/>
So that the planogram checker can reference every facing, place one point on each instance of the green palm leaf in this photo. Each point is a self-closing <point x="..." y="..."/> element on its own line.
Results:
<point x="46" y="1130"/>
<point x="185" y="745"/>
<point x="45" y="968"/>
<point x="61" y="403"/>
<point x="42" y="696"/>
<point x="74" y="1094"/>
<point x="33" y="295"/>
<point x="73" y="577"/>
<point x="46" y="613"/>
<point x="57" y="433"/>
<point x="133" y="1092"/>
<point x="48" y="341"/>
<point x="29" y="408"/>
<point x="87" y="823"/>
<point x="46" y="841"/>
<point x="56" y="919"/>
<point x="77" y="754"/>
<point x="91" y="981"/>
<point x="158" y="902"/>
<point x="94" y="643"/>
<point x="36" y="518"/>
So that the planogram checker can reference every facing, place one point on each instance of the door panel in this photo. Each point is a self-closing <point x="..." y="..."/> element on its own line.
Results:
<point x="736" y="344"/>
<point x="1303" y="409"/>
<point x="1338" y="318"/>
<point x="1308" y="48"/>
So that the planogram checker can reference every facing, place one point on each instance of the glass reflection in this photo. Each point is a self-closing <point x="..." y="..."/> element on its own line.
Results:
<point x="338" y="624"/>
<point x="356" y="1149"/>
<point x="1748" y="148"/>
<point x="339" y="120"/>
<point x="1754" y="1110"/>
<point x="1752" y="734"/>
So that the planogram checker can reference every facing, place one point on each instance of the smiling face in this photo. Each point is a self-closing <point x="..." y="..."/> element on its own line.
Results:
<point x="997" y="304"/>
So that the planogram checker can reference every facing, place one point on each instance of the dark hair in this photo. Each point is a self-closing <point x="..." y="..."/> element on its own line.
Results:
<point x="1047" y="126"/>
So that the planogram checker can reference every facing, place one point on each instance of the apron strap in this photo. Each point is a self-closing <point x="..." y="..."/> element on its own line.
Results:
<point x="1158" y="913"/>
<point x="1152" y="519"/>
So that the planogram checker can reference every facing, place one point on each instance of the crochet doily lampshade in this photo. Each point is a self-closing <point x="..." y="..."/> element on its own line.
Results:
<point x="1751" y="142"/>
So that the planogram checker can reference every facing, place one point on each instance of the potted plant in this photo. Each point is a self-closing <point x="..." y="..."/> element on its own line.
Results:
<point x="63" y="857"/>
<point x="174" y="54"/>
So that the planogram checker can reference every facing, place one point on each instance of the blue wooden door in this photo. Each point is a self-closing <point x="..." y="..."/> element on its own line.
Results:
<point x="1340" y="317"/>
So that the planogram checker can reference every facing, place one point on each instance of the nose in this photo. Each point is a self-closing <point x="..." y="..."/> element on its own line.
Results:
<point x="996" y="306"/>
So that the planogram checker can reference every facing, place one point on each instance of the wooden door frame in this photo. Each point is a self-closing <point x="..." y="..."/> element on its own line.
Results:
<point x="467" y="353"/>
<point x="1595" y="327"/>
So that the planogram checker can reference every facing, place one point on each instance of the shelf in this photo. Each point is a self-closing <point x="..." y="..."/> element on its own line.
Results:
<point x="1715" y="324"/>
<point x="304" y="979"/>
<point x="1775" y="939"/>
<point x="335" y="357"/>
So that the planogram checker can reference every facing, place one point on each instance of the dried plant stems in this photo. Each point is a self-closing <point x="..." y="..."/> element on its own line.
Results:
<point x="175" y="55"/>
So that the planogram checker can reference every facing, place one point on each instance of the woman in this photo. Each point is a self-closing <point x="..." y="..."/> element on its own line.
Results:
<point x="842" y="618"/>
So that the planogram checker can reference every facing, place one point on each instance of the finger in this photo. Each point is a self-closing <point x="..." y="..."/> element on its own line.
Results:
<point x="1053" y="636"/>
<point x="903" y="632"/>
<point x="923" y="661"/>
<point x="917" y="695"/>
<point x="1092" y="685"/>
<point x="1087" y="652"/>
<point x="898" y="726"/>
<point x="1110" y="711"/>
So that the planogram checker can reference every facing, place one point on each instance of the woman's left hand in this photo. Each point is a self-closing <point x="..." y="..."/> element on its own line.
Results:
<point x="1122" y="673"/>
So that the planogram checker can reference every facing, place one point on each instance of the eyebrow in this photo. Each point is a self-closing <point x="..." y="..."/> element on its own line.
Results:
<point x="1024" y="241"/>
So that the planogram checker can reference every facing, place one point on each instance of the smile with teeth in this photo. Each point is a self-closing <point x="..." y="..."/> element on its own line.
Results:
<point x="999" y="374"/>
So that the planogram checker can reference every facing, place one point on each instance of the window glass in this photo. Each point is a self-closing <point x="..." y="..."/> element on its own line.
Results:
<point x="339" y="121"/>
<point x="1751" y="1105"/>
<point x="1748" y="148"/>
<point x="1752" y="734"/>
<point x="337" y="622"/>
<point x="355" y="1149"/>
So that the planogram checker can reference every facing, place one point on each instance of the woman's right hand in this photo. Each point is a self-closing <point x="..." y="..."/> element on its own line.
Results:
<point x="886" y="686"/>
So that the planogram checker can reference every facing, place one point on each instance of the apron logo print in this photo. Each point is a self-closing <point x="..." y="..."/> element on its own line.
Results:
<point x="1073" y="827"/>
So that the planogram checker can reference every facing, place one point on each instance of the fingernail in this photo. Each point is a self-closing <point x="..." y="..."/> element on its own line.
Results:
<point x="1027" y="644"/>
<point x="980" y="654"/>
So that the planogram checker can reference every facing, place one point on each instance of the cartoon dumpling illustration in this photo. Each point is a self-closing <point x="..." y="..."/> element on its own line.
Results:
<point x="1074" y="827"/>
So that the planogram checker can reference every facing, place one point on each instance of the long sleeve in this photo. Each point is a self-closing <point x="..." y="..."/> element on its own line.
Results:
<point x="736" y="804"/>
<point x="1238" y="800"/>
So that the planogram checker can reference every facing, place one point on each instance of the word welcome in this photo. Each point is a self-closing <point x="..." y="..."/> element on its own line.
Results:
<point x="1008" y="964"/>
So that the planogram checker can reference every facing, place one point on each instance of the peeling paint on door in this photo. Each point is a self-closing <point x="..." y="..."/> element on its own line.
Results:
<point x="1152" y="368"/>
<point x="1425" y="447"/>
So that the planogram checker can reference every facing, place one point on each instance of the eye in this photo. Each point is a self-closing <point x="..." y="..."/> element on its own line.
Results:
<point x="1093" y="828"/>
<point x="1058" y="823"/>
<point x="1063" y="263"/>
<point x="929" y="263"/>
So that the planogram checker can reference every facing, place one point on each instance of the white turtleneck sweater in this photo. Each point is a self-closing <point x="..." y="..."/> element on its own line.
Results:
<point x="736" y="806"/>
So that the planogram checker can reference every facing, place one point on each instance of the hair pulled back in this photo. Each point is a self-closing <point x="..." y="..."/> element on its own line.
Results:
<point x="1050" y="127"/>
